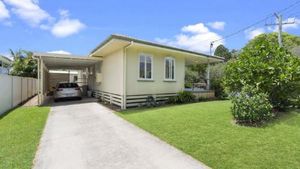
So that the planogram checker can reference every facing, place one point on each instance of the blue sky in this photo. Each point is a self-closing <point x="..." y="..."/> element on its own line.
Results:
<point x="79" y="26"/>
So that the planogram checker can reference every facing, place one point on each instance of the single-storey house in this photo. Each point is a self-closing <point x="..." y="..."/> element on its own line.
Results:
<point x="124" y="71"/>
<point x="5" y="65"/>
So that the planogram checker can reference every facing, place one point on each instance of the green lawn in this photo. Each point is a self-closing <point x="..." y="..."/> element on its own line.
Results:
<point x="20" y="132"/>
<point x="206" y="132"/>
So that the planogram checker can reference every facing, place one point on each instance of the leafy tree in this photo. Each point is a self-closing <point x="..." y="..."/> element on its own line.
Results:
<point x="289" y="41"/>
<point x="23" y="64"/>
<point x="222" y="51"/>
<point x="216" y="77"/>
<point x="194" y="74"/>
<point x="200" y="69"/>
<point x="190" y="77"/>
<point x="234" y="53"/>
<point x="262" y="64"/>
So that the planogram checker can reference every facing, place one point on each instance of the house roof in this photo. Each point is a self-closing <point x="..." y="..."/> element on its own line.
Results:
<point x="130" y="39"/>
<point x="5" y="59"/>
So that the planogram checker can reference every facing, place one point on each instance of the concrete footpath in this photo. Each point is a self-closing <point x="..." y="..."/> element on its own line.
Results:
<point x="87" y="135"/>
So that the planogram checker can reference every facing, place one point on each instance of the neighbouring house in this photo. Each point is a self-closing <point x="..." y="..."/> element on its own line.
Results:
<point x="124" y="71"/>
<point x="5" y="65"/>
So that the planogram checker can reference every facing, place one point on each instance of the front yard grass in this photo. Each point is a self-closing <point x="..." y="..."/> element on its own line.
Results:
<point x="20" y="132"/>
<point x="206" y="132"/>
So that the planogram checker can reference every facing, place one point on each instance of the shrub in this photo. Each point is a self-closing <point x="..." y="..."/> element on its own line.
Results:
<point x="183" y="97"/>
<point x="251" y="107"/>
<point x="216" y="76"/>
<point x="265" y="65"/>
<point x="296" y="102"/>
<point x="201" y="99"/>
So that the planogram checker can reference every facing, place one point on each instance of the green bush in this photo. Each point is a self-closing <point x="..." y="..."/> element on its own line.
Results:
<point x="216" y="76"/>
<point x="266" y="66"/>
<point x="296" y="102"/>
<point x="183" y="97"/>
<point x="251" y="106"/>
<point x="201" y="99"/>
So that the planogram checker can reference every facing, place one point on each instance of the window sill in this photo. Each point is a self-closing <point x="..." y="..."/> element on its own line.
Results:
<point x="145" y="80"/>
<point x="169" y="80"/>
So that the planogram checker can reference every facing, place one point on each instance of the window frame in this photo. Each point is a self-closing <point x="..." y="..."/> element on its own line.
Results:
<point x="170" y="73"/>
<point x="145" y="71"/>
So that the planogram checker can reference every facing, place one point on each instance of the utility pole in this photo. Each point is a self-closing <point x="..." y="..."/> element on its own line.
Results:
<point x="279" y="23"/>
<point x="279" y="19"/>
<point x="208" y="66"/>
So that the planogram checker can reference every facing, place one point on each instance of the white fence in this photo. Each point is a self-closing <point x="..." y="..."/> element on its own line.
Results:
<point x="15" y="90"/>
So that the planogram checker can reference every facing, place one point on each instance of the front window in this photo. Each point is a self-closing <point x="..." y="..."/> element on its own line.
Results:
<point x="169" y="68"/>
<point x="145" y="67"/>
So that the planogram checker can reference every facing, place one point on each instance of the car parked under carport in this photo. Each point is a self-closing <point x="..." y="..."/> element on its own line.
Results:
<point x="62" y="62"/>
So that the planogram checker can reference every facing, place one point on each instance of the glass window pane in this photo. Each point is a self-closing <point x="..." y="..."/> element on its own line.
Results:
<point x="173" y="70"/>
<point x="142" y="67"/>
<point x="148" y="68"/>
<point x="167" y="73"/>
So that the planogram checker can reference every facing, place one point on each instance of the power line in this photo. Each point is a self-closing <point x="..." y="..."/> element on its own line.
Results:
<point x="289" y="7"/>
<point x="295" y="14"/>
<point x="256" y="23"/>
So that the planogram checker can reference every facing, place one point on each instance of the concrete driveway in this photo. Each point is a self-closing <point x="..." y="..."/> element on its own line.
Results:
<point x="86" y="135"/>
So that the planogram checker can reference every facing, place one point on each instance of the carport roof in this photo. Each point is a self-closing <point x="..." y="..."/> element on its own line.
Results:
<point x="63" y="61"/>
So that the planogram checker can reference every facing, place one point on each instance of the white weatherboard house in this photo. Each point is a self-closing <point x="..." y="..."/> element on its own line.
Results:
<point x="5" y="65"/>
<point x="124" y="71"/>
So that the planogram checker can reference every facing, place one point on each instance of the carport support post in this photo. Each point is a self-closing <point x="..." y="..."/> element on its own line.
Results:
<point x="42" y="82"/>
<point x="39" y="80"/>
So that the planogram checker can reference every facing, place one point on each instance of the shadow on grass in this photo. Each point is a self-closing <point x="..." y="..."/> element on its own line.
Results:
<point x="145" y="109"/>
<point x="290" y="118"/>
<point x="13" y="109"/>
<point x="7" y="112"/>
<point x="287" y="118"/>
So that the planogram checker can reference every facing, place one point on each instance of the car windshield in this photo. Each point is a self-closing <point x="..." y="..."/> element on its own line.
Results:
<point x="67" y="85"/>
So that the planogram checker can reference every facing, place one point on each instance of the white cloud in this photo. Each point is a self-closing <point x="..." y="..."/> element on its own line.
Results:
<point x="197" y="28"/>
<point x="29" y="11"/>
<point x="60" y="52"/>
<point x="217" y="25"/>
<point x="4" y="13"/>
<point x="64" y="13"/>
<point x="250" y="34"/>
<point x="195" y="37"/>
<point x="66" y="26"/>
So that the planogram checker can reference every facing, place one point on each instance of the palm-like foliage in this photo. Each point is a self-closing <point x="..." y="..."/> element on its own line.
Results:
<point x="23" y="64"/>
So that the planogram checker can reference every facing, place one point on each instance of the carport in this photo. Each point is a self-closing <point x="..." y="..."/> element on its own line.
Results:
<point x="87" y="68"/>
